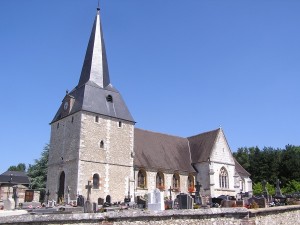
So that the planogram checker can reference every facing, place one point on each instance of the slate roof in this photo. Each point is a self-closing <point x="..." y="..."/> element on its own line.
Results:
<point x="94" y="83"/>
<point x="95" y="67"/>
<point x="161" y="151"/>
<point x="17" y="177"/>
<point x="201" y="145"/>
<point x="93" y="99"/>
<point x="166" y="152"/>
<point x="239" y="169"/>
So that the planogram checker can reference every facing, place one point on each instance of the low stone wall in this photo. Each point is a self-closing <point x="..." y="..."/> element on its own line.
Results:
<point x="288" y="215"/>
<point x="214" y="216"/>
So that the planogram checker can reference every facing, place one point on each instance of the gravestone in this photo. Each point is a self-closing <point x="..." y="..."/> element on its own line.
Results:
<point x="100" y="201"/>
<point x="169" y="204"/>
<point x="95" y="207"/>
<point x="127" y="200"/>
<point x="108" y="199"/>
<point x="141" y="202"/>
<point x="9" y="204"/>
<point x="265" y="191"/>
<point x="88" y="207"/>
<point x="228" y="203"/>
<point x="240" y="203"/>
<point x="278" y="193"/>
<point x="80" y="200"/>
<point x="185" y="201"/>
<point x="156" y="200"/>
<point x="261" y="202"/>
<point x="51" y="203"/>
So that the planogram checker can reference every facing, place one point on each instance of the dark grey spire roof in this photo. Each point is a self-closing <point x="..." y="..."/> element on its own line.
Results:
<point x="94" y="87"/>
<point x="95" y="68"/>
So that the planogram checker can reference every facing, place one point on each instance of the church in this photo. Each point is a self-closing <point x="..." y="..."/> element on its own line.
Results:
<point x="94" y="145"/>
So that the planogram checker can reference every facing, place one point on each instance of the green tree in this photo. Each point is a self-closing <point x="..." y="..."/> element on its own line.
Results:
<point x="37" y="172"/>
<point x="270" y="188"/>
<point x="242" y="156"/>
<point x="20" y="167"/>
<point x="258" y="188"/>
<point x="291" y="187"/>
<point x="290" y="164"/>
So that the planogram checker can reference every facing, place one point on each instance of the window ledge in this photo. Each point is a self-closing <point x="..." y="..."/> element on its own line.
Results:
<point x="139" y="188"/>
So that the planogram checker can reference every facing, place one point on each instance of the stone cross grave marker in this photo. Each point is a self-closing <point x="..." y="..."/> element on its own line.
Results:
<point x="88" y="207"/>
<point x="278" y="192"/>
<point x="265" y="191"/>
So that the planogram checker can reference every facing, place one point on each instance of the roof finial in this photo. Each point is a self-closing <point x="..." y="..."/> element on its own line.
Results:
<point x="98" y="8"/>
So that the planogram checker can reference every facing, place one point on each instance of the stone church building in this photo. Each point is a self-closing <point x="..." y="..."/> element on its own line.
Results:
<point x="94" y="139"/>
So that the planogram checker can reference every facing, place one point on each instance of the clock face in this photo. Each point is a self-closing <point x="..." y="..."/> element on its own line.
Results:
<point x="66" y="105"/>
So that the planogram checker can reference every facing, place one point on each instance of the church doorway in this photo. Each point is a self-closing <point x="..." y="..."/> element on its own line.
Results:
<point x="61" y="188"/>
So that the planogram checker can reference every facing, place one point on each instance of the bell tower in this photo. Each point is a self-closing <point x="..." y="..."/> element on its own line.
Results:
<point x="92" y="134"/>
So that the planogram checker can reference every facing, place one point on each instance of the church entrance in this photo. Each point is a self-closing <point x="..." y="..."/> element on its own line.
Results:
<point x="61" y="188"/>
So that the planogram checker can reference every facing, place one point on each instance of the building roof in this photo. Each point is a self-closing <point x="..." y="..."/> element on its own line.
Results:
<point x="94" y="84"/>
<point x="240" y="170"/>
<point x="201" y="145"/>
<point x="161" y="151"/>
<point x="14" y="177"/>
<point x="93" y="99"/>
<point x="166" y="152"/>
<point x="95" y="68"/>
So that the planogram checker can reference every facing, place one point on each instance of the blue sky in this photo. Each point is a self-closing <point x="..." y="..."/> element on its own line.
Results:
<point x="182" y="66"/>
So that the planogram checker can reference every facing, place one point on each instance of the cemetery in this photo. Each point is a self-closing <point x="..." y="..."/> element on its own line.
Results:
<point x="97" y="156"/>
<point x="185" y="208"/>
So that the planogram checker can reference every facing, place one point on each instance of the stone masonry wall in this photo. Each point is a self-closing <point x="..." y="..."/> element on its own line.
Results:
<point x="288" y="215"/>
<point x="221" y="151"/>
<point x="63" y="154"/>
<point x="113" y="161"/>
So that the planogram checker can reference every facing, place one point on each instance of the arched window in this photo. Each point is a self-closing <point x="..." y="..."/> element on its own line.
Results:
<point x="223" y="178"/>
<point x="160" y="181"/>
<point x="142" y="178"/>
<point x="176" y="182"/>
<point x="101" y="145"/>
<point x="191" y="183"/>
<point x="96" y="181"/>
<point x="242" y="185"/>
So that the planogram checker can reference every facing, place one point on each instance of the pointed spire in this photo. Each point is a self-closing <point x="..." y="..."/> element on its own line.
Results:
<point x="95" y="68"/>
